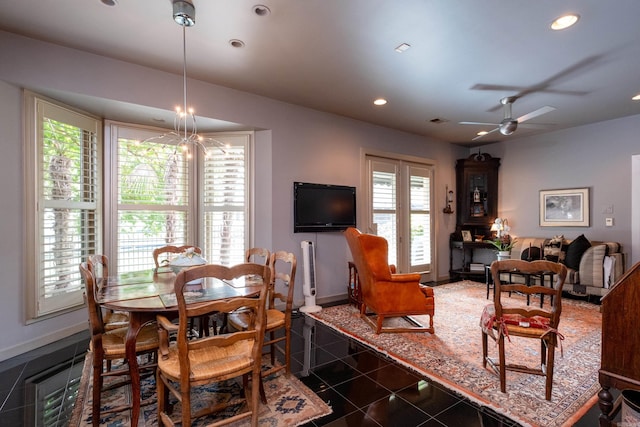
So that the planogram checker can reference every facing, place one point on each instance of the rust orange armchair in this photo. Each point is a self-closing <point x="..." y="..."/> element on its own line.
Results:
<point x="384" y="293"/>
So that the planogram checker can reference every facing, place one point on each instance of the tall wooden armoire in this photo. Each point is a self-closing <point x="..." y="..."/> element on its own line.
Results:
<point x="620" y="361"/>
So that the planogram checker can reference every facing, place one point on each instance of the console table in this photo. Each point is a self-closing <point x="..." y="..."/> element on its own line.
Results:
<point x="467" y="249"/>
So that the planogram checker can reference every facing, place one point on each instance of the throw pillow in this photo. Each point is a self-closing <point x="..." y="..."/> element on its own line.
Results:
<point x="575" y="250"/>
<point x="552" y="248"/>
<point x="532" y="253"/>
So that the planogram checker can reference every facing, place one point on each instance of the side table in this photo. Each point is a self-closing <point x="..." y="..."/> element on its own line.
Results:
<point x="353" y="288"/>
<point x="488" y="279"/>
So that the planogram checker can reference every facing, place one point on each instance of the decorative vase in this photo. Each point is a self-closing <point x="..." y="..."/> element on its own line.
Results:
<point x="504" y="255"/>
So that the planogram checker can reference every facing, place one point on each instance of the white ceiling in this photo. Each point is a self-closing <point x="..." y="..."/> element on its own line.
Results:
<point x="338" y="55"/>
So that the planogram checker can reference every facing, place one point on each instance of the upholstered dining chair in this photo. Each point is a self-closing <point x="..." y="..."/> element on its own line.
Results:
<point x="386" y="294"/>
<point x="512" y="317"/>
<point x="185" y="363"/>
<point x="258" y="255"/>
<point x="170" y="249"/>
<point x="98" y="265"/>
<point x="107" y="346"/>
<point x="283" y="273"/>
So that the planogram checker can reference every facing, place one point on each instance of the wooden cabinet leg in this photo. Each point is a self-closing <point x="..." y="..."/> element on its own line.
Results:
<point x="605" y="402"/>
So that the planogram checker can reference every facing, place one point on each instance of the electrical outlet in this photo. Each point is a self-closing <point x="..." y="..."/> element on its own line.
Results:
<point x="608" y="222"/>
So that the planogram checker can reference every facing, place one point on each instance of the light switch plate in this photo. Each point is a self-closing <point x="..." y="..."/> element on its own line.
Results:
<point x="608" y="222"/>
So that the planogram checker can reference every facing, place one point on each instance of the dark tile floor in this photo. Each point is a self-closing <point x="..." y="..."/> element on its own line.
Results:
<point x="363" y="387"/>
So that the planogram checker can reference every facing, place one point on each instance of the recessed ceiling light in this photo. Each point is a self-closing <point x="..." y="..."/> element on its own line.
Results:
<point x="261" y="10"/>
<point x="564" y="21"/>
<point x="236" y="43"/>
<point x="403" y="47"/>
<point x="109" y="2"/>
<point x="380" y="101"/>
<point x="482" y="132"/>
<point x="636" y="98"/>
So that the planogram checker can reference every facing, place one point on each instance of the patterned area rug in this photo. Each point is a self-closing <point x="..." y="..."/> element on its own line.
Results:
<point x="289" y="402"/>
<point x="453" y="355"/>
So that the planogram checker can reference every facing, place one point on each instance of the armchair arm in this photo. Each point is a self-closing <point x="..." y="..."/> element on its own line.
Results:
<point x="405" y="277"/>
<point x="164" y="328"/>
<point x="592" y="266"/>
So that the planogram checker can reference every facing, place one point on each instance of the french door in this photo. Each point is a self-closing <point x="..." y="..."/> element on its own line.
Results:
<point x="398" y="201"/>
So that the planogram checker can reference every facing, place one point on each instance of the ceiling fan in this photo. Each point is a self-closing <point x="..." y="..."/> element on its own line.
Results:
<point x="508" y="125"/>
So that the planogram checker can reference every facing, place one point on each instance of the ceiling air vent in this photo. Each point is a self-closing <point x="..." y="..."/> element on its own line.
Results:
<point x="438" y="120"/>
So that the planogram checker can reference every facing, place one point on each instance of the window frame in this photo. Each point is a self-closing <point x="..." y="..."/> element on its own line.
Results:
<point x="35" y="106"/>
<point x="195" y="209"/>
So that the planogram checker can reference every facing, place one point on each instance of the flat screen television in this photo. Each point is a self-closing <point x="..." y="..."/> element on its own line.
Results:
<point x="323" y="207"/>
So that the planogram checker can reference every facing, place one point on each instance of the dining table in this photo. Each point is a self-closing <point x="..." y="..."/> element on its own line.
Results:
<point x="145" y="294"/>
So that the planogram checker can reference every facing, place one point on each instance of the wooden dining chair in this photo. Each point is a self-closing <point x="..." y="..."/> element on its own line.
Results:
<point x="109" y="346"/>
<point x="257" y="255"/>
<point x="185" y="363"/>
<point x="163" y="267"/>
<point x="98" y="265"/>
<point x="283" y="272"/>
<point x="170" y="249"/>
<point x="508" y="318"/>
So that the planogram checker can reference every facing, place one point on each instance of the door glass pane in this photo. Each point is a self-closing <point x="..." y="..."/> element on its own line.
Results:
<point x="384" y="198"/>
<point x="420" y="248"/>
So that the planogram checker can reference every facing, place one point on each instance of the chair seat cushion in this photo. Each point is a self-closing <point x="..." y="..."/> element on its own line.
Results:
<point x="211" y="361"/>
<point x="113" y="341"/>
<point x="518" y="325"/>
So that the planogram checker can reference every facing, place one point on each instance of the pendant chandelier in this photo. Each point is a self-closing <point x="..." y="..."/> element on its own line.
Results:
<point x="185" y="129"/>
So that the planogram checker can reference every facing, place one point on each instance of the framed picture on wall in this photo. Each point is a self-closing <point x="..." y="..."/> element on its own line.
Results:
<point x="466" y="236"/>
<point x="564" y="208"/>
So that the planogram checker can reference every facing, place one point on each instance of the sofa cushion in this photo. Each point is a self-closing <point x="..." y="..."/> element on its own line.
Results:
<point x="575" y="251"/>
<point x="553" y="248"/>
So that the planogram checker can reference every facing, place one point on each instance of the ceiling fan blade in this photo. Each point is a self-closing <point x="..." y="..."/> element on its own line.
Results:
<point x="536" y="125"/>
<point x="503" y="88"/>
<point x="536" y="113"/>
<point x="482" y="136"/>
<point x="478" y="123"/>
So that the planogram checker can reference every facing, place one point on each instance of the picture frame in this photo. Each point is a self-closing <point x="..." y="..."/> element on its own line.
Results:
<point x="567" y="207"/>
<point x="466" y="236"/>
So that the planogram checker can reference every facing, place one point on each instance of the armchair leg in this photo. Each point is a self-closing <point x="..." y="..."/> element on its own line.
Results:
<point x="379" y="324"/>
